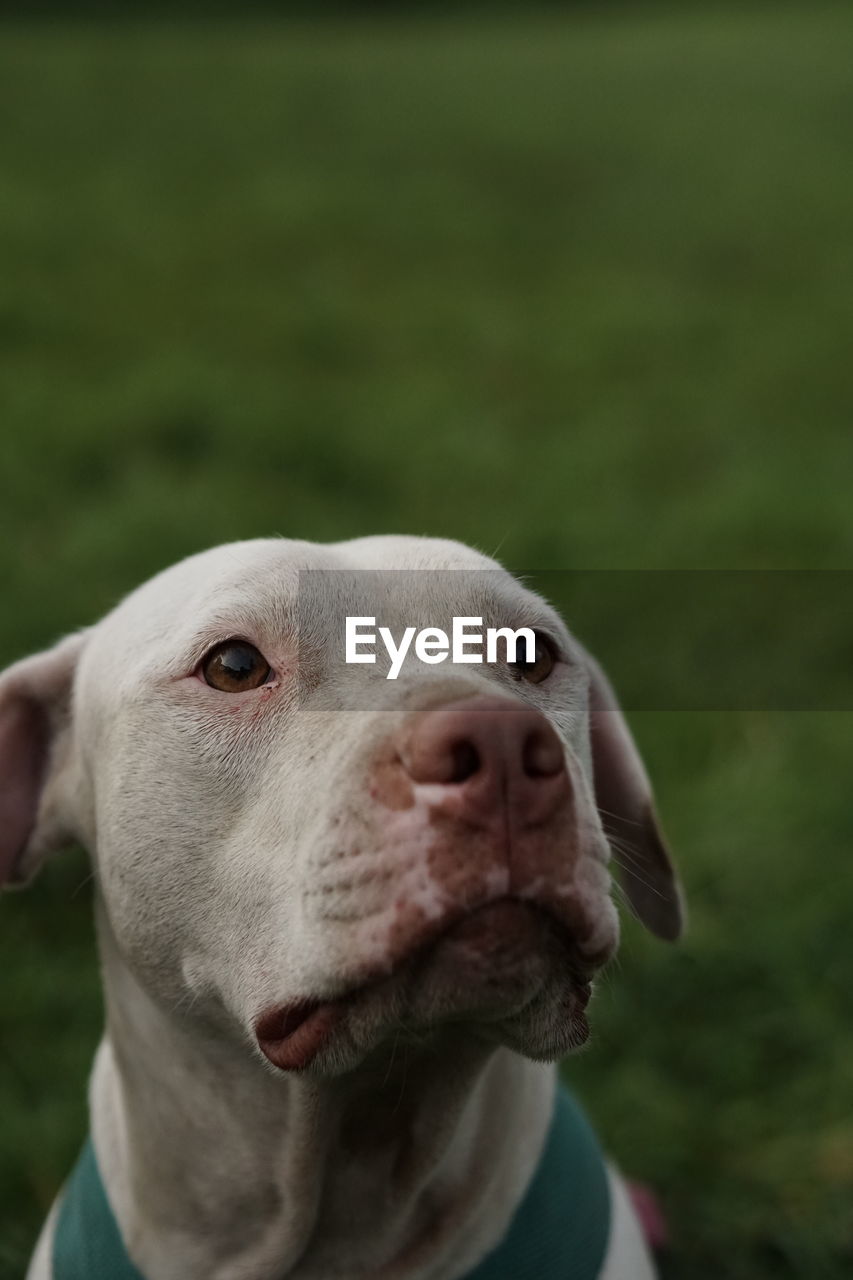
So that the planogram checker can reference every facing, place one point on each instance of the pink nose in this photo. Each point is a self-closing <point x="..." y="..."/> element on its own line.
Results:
<point x="487" y="752"/>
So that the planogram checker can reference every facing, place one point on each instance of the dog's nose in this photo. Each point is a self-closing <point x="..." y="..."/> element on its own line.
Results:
<point x="488" y="751"/>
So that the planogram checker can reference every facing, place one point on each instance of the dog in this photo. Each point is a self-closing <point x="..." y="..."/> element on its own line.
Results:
<point x="347" y="925"/>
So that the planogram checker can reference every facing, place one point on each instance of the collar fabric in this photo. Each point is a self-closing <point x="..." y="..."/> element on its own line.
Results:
<point x="559" y="1231"/>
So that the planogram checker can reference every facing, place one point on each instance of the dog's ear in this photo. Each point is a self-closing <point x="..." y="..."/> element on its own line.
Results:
<point x="623" y="795"/>
<point x="35" y="732"/>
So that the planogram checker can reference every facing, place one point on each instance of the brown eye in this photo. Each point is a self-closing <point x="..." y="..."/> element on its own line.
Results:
<point x="235" y="666"/>
<point x="543" y="663"/>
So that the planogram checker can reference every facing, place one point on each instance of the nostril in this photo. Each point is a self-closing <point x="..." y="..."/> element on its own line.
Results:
<point x="542" y="754"/>
<point x="446" y="759"/>
<point x="465" y="760"/>
<point x="486" y="741"/>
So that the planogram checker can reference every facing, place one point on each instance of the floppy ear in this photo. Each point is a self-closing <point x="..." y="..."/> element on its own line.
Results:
<point x="623" y="794"/>
<point x="35" y="721"/>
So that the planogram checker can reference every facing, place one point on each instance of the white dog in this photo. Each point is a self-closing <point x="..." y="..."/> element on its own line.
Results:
<point x="345" y="924"/>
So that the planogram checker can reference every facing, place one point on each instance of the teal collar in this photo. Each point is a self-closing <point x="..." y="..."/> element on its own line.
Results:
<point x="559" y="1231"/>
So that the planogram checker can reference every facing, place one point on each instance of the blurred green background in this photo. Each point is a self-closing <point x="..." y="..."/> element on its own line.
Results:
<point x="574" y="286"/>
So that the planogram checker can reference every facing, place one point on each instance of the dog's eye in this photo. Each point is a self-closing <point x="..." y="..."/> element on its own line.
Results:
<point x="235" y="666"/>
<point x="543" y="662"/>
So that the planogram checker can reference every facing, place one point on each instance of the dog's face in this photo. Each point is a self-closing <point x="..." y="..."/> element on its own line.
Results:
<point x="316" y="869"/>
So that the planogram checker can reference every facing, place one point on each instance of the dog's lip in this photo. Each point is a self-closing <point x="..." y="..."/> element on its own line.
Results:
<point x="291" y="1035"/>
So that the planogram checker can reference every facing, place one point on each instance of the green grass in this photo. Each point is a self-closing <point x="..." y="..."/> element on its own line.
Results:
<point x="576" y="287"/>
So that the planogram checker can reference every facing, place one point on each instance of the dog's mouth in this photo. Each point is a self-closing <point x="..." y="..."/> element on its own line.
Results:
<point x="501" y="966"/>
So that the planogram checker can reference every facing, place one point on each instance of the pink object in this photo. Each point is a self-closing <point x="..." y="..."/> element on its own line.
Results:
<point x="652" y="1218"/>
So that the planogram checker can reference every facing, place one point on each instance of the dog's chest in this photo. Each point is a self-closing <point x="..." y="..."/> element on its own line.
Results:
<point x="560" y="1230"/>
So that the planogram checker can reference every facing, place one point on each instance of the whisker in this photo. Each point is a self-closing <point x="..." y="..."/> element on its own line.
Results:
<point x="83" y="883"/>
<point x="635" y="866"/>
<point x="620" y="817"/>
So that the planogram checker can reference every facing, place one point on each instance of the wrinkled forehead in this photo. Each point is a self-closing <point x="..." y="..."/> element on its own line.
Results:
<point x="278" y="591"/>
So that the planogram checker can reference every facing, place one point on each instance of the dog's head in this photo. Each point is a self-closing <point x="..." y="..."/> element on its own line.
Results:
<point x="317" y="865"/>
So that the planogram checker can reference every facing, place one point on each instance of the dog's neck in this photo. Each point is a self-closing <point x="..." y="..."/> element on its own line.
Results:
<point x="406" y="1169"/>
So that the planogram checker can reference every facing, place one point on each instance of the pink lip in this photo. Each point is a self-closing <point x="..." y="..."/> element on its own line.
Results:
<point x="291" y="1036"/>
